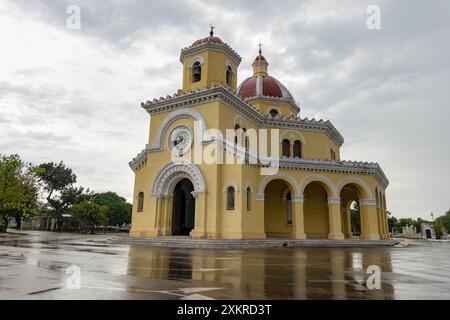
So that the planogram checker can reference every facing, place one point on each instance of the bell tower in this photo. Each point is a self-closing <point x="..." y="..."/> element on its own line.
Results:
<point x="209" y="61"/>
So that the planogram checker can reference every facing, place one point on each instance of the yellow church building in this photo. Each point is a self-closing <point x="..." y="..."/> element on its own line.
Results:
<point x="238" y="162"/>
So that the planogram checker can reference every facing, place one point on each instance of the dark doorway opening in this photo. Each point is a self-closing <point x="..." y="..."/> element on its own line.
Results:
<point x="183" y="214"/>
<point x="428" y="231"/>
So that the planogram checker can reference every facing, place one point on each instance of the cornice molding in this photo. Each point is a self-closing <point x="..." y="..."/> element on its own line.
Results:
<point x="368" y="202"/>
<point x="337" y="166"/>
<point x="220" y="47"/>
<point x="310" y="165"/>
<point x="226" y="95"/>
<point x="292" y="104"/>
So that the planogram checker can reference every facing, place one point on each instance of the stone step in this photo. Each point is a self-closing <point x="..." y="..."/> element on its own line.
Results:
<point x="186" y="242"/>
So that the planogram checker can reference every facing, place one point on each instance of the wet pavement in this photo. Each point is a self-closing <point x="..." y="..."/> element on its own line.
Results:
<point x="45" y="265"/>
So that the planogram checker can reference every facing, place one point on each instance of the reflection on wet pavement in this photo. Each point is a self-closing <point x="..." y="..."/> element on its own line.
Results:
<point x="34" y="267"/>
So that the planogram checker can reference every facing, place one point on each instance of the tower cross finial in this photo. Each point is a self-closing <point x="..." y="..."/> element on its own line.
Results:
<point x="211" y="32"/>
<point x="260" y="45"/>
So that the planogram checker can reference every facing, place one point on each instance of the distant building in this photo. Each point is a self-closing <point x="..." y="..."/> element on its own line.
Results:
<point x="427" y="230"/>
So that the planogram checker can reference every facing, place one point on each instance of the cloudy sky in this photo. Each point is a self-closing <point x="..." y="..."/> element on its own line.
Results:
<point x="74" y="95"/>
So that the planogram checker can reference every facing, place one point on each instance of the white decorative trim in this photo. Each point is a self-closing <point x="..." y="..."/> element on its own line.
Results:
<point x="230" y="184"/>
<point x="299" y="199"/>
<point x="209" y="46"/>
<point x="194" y="60"/>
<point x="236" y="103"/>
<point x="328" y="166"/>
<point x="259" y="86"/>
<point x="173" y="116"/>
<point x="280" y="175"/>
<point x="334" y="200"/>
<point x="368" y="202"/>
<point x="355" y="180"/>
<point x="336" y="166"/>
<point x="318" y="178"/>
<point x="259" y="197"/>
<point x="169" y="175"/>
<point x="248" y="185"/>
<point x="297" y="133"/>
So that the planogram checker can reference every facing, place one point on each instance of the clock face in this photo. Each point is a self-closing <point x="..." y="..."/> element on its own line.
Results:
<point x="180" y="140"/>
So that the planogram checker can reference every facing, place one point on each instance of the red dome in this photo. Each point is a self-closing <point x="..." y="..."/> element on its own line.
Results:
<point x="248" y="88"/>
<point x="207" y="40"/>
<point x="260" y="57"/>
<point x="263" y="86"/>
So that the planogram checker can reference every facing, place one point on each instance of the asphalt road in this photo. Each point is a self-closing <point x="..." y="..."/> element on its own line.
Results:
<point x="46" y="265"/>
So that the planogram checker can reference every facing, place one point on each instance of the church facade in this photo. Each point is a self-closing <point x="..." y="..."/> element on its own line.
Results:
<point x="239" y="162"/>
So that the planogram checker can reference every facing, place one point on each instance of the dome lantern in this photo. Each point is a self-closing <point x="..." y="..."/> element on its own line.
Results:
<point x="260" y="64"/>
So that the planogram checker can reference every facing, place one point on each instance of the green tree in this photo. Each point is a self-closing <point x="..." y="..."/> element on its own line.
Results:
<point x="89" y="215"/>
<point x="393" y="223"/>
<point x="118" y="210"/>
<point x="18" y="189"/>
<point x="58" y="181"/>
<point x="443" y="222"/>
<point x="403" y="222"/>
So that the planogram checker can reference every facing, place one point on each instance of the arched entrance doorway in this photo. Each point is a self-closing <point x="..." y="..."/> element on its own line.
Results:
<point x="278" y="209"/>
<point x="351" y="222"/>
<point x="183" y="212"/>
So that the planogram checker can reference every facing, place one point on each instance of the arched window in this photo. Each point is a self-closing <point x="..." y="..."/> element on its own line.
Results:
<point x="229" y="76"/>
<point x="140" y="202"/>
<point x="273" y="113"/>
<point x="286" y="152"/>
<point x="237" y="131"/>
<point x="230" y="198"/>
<point x="249" y="199"/>
<point x="297" y="149"/>
<point x="196" y="72"/>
